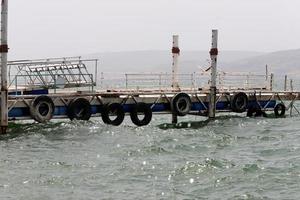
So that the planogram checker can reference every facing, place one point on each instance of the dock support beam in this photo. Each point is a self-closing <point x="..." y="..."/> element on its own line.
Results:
<point x="175" y="53"/>
<point x="4" y="51"/>
<point x="213" y="81"/>
<point x="174" y="118"/>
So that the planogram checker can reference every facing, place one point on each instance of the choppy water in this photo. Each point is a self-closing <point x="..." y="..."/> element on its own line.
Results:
<point x="229" y="158"/>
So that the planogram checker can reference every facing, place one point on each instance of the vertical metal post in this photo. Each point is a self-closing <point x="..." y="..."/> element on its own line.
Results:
<point x="247" y="81"/>
<point x="96" y="72"/>
<point x="160" y="81"/>
<point x="285" y="83"/>
<point x="194" y="81"/>
<point x="213" y="82"/>
<point x="55" y="82"/>
<point x="176" y="53"/>
<point x="16" y="86"/>
<point x="126" y="81"/>
<point x="4" y="51"/>
<point x="221" y="81"/>
<point x="101" y="81"/>
<point x="267" y="73"/>
<point x="271" y="82"/>
<point x="292" y="102"/>
<point x="93" y="84"/>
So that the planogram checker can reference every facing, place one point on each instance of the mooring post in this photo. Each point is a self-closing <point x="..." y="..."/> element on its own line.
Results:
<point x="175" y="53"/>
<point x="213" y="82"/>
<point x="4" y="51"/>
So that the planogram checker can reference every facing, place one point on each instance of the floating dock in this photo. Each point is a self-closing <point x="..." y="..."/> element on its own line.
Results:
<point x="64" y="88"/>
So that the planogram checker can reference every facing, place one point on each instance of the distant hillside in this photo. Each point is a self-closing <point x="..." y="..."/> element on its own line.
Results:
<point x="161" y="61"/>
<point x="280" y="62"/>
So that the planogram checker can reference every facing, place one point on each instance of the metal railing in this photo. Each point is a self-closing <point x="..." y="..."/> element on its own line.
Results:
<point x="73" y="72"/>
<point x="161" y="81"/>
<point x="244" y="81"/>
<point x="192" y="81"/>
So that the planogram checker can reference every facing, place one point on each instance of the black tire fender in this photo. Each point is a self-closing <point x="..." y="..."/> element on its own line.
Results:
<point x="115" y="109"/>
<point x="239" y="102"/>
<point x="42" y="109"/>
<point x="144" y="109"/>
<point x="181" y="104"/>
<point x="279" y="110"/>
<point x="79" y="109"/>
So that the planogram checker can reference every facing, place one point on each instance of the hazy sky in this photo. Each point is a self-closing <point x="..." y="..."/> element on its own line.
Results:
<point x="47" y="28"/>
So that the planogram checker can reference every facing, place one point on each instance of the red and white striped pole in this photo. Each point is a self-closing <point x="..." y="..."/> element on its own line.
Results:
<point x="3" y="52"/>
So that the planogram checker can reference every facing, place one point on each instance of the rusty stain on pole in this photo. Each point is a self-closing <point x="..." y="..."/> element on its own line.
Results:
<point x="175" y="53"/>
<point x="4" y="51"/>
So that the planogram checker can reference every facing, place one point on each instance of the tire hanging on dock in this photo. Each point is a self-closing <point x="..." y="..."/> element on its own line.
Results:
<point x="239" y="102"/>
<point x="279" y="110"/>
<point x="42" y="109"/>
<point x="181" y="104"/>
<point x="113" y="109"/>
<point x="138" y="110"/>
<point x="79" y="109"/>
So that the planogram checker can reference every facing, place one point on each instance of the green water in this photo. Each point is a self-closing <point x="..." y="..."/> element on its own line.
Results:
<point x="229" y="158"/>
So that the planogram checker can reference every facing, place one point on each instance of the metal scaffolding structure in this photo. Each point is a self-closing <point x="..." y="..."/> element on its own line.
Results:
<point x="50" y="74"/>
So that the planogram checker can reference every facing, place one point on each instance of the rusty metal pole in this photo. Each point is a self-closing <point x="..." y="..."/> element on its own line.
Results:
<point x="213" y="82"/>
<point x="175" y="52"/>
<point x="4" y="51"/>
